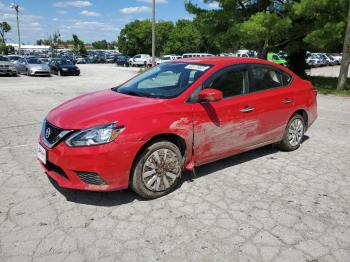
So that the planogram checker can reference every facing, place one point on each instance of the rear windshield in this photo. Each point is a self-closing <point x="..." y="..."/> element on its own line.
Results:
<point x="165" y="81"/>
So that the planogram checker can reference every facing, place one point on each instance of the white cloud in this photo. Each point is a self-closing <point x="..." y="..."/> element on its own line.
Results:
<point x="214" y="5"/>
<point x="135" y="10"/>
<point x="157" y="1"/>
<point x="30" y="25"/>
<point x="63" y="4"/>
<point x="88" y="26"/>
<point x="89" y="13"/>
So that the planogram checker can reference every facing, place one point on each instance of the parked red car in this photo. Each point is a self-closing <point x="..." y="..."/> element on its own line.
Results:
<point x="145" y="132"/>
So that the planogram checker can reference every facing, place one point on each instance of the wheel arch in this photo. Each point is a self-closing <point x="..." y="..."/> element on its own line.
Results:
<point x="304" y="114"/>
<point x="170" y="137"/>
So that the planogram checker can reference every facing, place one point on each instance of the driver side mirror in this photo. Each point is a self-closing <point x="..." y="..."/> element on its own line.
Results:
<point x="210" y="95"/>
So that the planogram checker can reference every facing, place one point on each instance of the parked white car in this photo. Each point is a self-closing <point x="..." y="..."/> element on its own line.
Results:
<point x="140" y="60"/>
<point x="337" y="57"/>
<point x="190" y="55"/>
<point x="167" y="58"/>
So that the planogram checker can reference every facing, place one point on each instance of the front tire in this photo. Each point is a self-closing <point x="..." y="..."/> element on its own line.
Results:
<point x="157" y="170"/>
<point x="294" y="133"/>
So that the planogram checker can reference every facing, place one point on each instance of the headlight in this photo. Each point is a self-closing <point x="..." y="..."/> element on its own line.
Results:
<point x="65" y="69"/>
<point x="95" y="136"/>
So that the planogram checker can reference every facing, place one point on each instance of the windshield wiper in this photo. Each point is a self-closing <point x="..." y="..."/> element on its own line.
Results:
<point x="131" y="93"/>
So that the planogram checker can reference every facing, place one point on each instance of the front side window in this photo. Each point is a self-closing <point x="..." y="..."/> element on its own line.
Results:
<point x="265" y="77"/>
<point x="231" y="82"/>
<point x="165" y="81"/>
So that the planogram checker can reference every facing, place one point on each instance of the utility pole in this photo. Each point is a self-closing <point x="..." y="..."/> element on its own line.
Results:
<point x="16" y="7"/>
<point x="344" y="68"/>
<point x="153" y="32"/>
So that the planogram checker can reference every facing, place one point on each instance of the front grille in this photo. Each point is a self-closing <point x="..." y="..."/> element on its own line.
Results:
<point x="52" y="134"/>
<point x="59" y="171"/>
<point x="5" y="66"/>
<point x="91" y="178"/>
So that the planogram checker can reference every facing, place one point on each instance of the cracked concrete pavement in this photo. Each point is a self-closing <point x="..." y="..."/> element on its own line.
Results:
<point x="263" y="205"/>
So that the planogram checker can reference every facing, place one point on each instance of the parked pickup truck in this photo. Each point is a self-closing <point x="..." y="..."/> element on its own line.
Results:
<point x="6" y="67"/>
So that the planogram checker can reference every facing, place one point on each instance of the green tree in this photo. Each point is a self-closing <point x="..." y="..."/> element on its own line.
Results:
<point x="100" y="44"/>
<point x="185" y="37"/>
<point x="4" y="28"/>
<point x="269" y="25"/>
<point x="136" y="37"/>
<point x="268" y="28"/>
<point x="78" y="46"/>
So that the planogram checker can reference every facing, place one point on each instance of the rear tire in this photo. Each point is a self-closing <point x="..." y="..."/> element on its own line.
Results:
<point x="157" y="170"/>
<point x="294" y="133"/>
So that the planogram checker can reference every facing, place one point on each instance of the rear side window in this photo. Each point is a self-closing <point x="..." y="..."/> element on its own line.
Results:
<point x="266" y="77"/>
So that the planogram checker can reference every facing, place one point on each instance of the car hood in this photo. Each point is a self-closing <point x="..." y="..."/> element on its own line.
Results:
<point x="38" y="66"/>
<point x="6" y="63"/>
<point x="96" y="108"/>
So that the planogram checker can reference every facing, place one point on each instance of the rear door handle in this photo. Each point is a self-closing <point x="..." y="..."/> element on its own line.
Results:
<point x="247" y="109"/>
<point x="287" y="101"/>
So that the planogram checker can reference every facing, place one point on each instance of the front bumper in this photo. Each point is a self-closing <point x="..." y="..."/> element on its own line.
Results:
<point x="70" y="72"/>
<point x="8" y="71"/>
<point x="39" y="72"/>
<point x="109" y="164"/>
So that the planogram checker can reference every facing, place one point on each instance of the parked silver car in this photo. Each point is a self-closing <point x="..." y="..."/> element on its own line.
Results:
<point x="6" y="67"/>
<point x="32" y="66"/>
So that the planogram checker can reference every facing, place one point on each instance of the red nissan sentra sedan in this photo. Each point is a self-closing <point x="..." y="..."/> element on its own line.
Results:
<point x="145" y="132"/>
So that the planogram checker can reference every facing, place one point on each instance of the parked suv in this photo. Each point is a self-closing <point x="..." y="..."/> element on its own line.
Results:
<point x="140" y="60"/>
<point x="6" y="67"/>
<point x="142" y="134"/>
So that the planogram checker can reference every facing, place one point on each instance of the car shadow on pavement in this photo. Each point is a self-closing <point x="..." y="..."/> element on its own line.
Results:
<point x="126" y="196"/>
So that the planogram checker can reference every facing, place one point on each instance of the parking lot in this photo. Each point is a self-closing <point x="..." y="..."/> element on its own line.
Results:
<point x="264" y="205"/>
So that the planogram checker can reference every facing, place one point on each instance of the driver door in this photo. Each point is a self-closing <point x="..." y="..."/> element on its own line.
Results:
<point x="228" y="126"/>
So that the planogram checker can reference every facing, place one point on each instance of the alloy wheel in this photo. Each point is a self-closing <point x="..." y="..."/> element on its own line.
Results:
<point x="295" y="132"/>
<point x="161" y="170"/>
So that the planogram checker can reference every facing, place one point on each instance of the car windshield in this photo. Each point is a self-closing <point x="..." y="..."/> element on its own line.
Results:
<point x="64" y="62"/>
<point x="3" y="58"/>
<point x="13" y="58"/>
<point x="165" y="81"/>
<point x="34" y="61"/>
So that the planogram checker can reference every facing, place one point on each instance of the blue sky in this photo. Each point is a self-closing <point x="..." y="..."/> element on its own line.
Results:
<point x="92" y="20"/>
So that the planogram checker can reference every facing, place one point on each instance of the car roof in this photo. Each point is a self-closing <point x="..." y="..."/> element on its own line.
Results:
<point x="227" y="60"/>
<point x="223" y="60"/>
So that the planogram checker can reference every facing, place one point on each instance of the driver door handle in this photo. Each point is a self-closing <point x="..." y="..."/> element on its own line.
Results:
<point x="287" y="101"/>
<point x="247" y="109"/>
